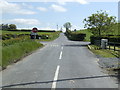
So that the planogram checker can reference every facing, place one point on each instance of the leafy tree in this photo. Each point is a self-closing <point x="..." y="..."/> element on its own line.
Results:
<point x="99" y="22"/>
<point x="67" y="25"/>
<point x="12" y="27"/>
<point x="4" y="26"/>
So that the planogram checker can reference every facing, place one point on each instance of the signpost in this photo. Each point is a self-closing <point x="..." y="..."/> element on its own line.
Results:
<point x="34" y="33"/>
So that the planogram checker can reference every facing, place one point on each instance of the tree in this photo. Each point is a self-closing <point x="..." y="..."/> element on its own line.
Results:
<point x="12" y="27"/>
<point x="99" y="22"/>
<point x="4" y="26"/>
<point x="67" y="25"/>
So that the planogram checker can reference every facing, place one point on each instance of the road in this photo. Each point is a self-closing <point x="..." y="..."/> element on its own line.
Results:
<point x="60" y="64"/>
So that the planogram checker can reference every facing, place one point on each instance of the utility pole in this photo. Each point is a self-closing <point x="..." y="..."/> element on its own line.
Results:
<point x="61" y="29"/>
<point x="57" y="27"/>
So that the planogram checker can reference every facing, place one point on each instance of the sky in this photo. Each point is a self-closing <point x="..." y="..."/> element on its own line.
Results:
<point x="46" y="15"/>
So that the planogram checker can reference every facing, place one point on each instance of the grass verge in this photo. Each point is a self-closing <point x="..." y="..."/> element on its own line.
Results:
<point x="102" y="52"/>
<point x="13" y="53"/>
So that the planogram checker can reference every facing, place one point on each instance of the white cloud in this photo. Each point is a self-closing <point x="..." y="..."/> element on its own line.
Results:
<point x="24" y="12"/>
<point x="13" y="8"/>
<point x="103" y="0"/>
<point x="58" y="8"/>
<point x="60" y="0"/>
<point x="47" y="28"/>
<point x="42" y="9"/>
<point x="24" y="21"/>
<point x="63" y="2"/>
<point x="82" y="1"/>
<point x="27" y="6"/>
<point x="75" y="27"/>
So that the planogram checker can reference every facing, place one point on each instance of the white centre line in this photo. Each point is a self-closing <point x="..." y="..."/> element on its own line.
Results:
<point x="62" y="48"/>
<point x="60" y="55"/>
<point x="55" y="78"/>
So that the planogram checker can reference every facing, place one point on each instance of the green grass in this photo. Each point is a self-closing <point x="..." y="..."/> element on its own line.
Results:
<point x="0" y="53"/>
<point x="14" y="52"/>
<point x="16" y="48"/>
<point x="112" y="47"/>
<point x="88" y="34"/>
<point x="103" y="52"/>
<point x="52" y="36"/>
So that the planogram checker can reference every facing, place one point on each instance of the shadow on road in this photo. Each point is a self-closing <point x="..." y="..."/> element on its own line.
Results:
<point x="37" y="82"/>
<point x="76" y="45"/>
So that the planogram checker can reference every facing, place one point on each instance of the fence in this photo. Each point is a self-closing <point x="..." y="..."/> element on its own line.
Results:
<point x="110" y="45"/>
<point x="113" y="46"/>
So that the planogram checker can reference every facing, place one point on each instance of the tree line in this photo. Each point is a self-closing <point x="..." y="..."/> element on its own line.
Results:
<point x="8" y="27"/>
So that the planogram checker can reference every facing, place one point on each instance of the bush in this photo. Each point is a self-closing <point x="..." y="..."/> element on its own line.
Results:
<point x="44" y="36"/>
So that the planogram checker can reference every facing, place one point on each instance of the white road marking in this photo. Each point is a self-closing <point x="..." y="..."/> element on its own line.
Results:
<point x="60" y="55"/>
<point x="62" y="48"/>
<point x="89" y="47"/>
<point x="55" y="78"/>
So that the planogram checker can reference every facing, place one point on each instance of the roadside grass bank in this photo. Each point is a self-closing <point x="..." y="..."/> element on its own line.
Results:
<point x="107" y="58"/>
<point x="14" y="52"/>
<point x="102" y="52"/>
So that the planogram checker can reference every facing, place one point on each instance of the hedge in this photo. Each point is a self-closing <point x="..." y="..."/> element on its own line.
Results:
<point x="24" y="30"/>
<point x="15" y="40"/>
<point x="10" y="36"/>
<point x="94" y="39"/>
<point x="75" y="36"/>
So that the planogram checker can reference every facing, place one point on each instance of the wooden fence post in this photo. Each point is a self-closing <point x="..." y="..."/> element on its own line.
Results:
<point x="114" y="46"/>
<point x="109" y="47"/>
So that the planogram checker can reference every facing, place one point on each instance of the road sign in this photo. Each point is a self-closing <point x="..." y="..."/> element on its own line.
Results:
<point x="35" y="30"/>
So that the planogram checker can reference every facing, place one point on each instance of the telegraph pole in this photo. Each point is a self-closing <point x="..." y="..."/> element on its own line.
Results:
<point x="57" y="27"/>
<point x="61" y="29"/>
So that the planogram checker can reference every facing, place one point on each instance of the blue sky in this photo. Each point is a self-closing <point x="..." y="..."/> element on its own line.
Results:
<point x="46" y="15"/>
